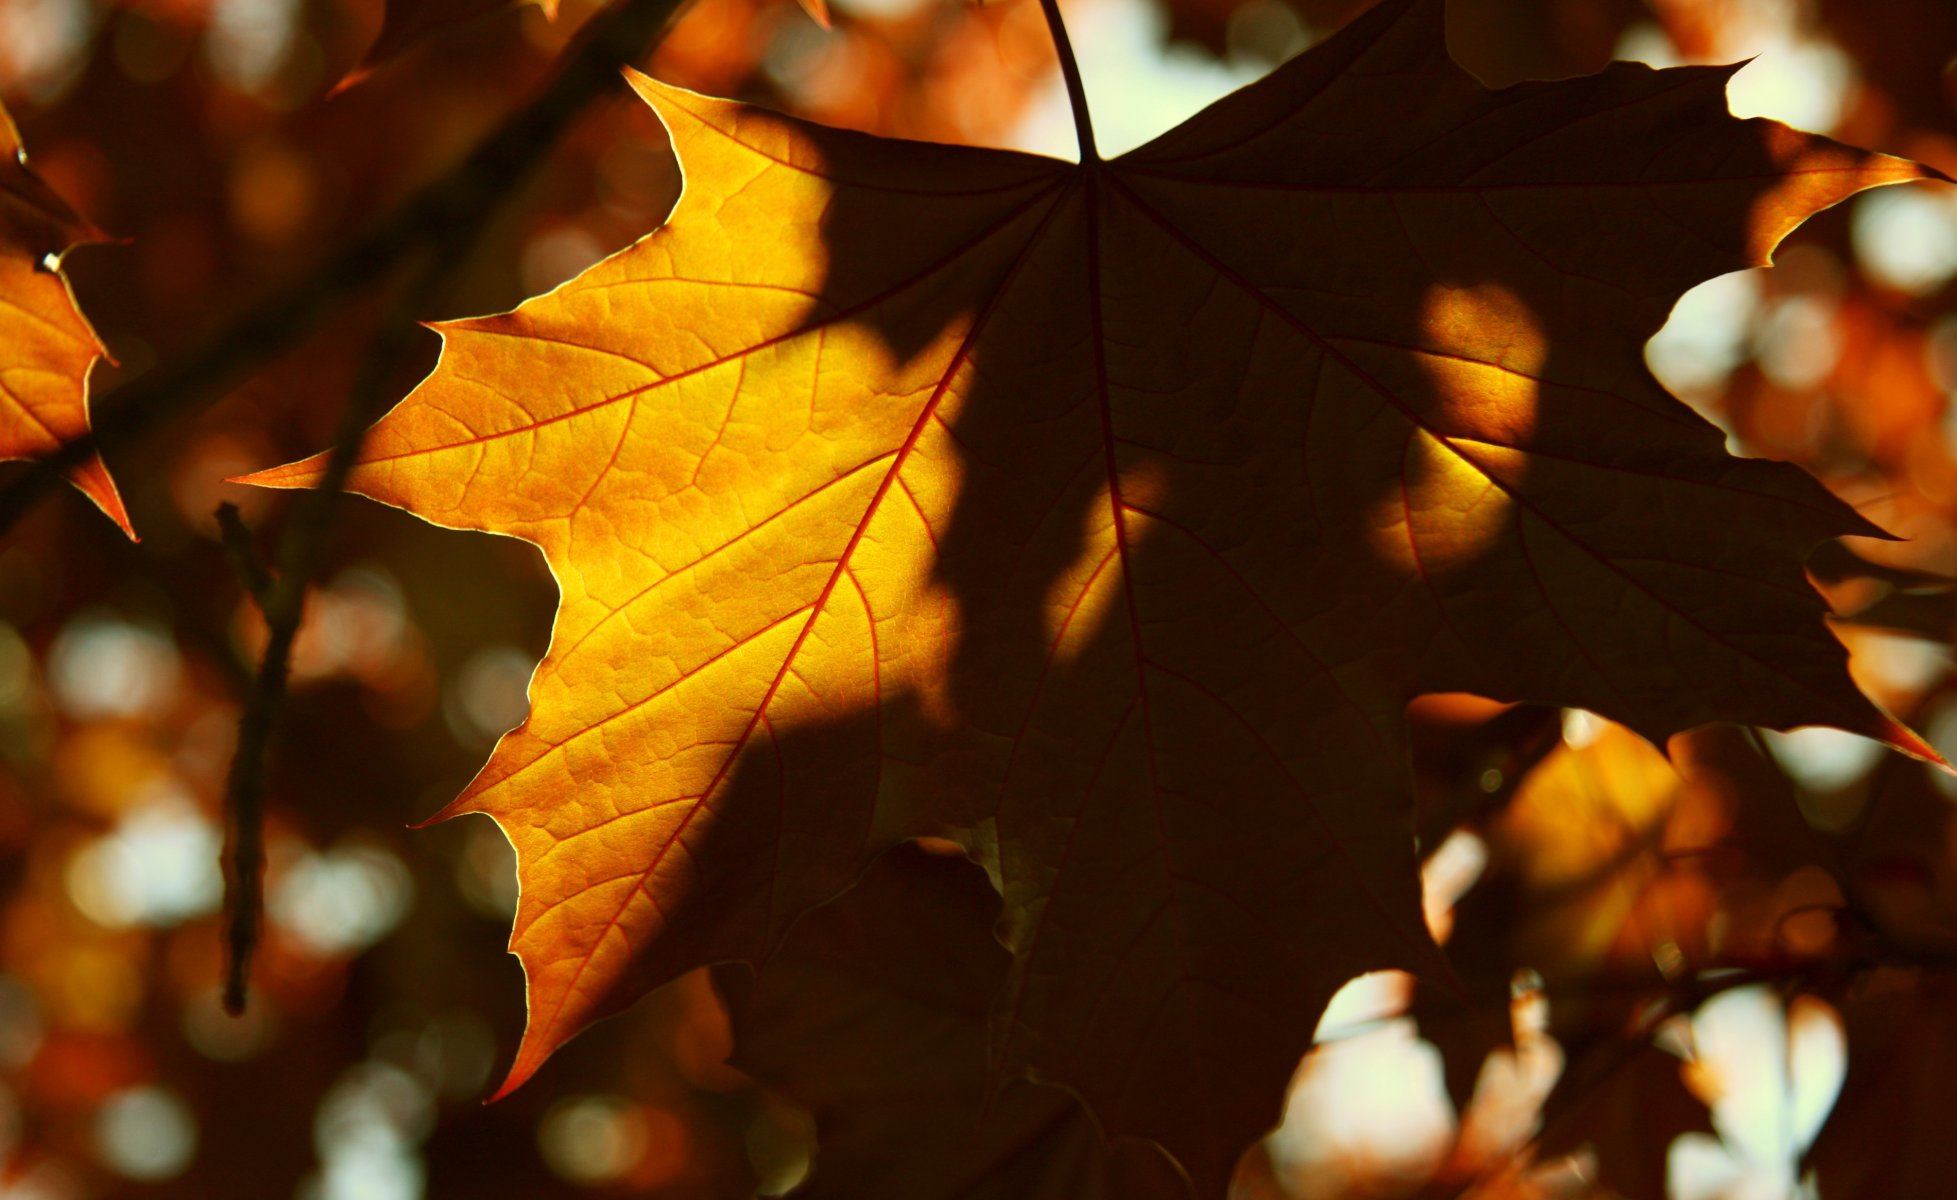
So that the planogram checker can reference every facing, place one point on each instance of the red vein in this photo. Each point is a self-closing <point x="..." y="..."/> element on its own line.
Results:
<point x="736" y="540"/>
<point x="1118" y="513"/>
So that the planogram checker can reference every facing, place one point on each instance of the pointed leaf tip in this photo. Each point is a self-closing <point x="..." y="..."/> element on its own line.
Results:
<point x="301" y="474"/>
<point x="1900" y="736"/>
<point x="93" y="479"/>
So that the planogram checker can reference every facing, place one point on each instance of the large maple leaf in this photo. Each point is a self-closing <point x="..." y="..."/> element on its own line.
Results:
<point x="1104" y="517"/>
<point x="46" y="347"/>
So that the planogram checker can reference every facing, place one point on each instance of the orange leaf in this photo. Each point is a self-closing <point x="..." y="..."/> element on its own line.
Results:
<point x="46" y="346"/>
<point x="1104" y="519"/>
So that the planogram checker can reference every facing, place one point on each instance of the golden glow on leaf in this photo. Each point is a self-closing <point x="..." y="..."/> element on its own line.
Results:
<point x="1079" y="600"/>
<point x="1442" y="513"/>
<point x="1488" y="353"/>
<point x="1813" y="171"/>
<point x="1513" y="347"/>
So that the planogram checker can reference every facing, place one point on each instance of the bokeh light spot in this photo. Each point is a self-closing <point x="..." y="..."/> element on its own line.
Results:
<point x="249" y="40"/>
<point x="41" y="44"/>
<point x="145" y="1133"/>
<point x="1803" y="82"/>
<point x="342" y="900"/>
<point x="1371" y="1108"/>
<point x="489" y="695"/>
<point x="158" y="867"/>
<point x="1821" y="759"/>
<point x="1706" y="337"/>
<point x="1906" y="237"/>
<point x="1798" y="344"/>
<point x="592" y="1140"/>
<point x="1581" y="727"/>
<point x="1770" y="1078"/>
<point x="100" y="666"/>
<point x="367" y="1129"/>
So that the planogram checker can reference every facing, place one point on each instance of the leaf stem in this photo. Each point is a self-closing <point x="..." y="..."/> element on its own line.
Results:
<point x="1076" y="90"/>
<point x="251" y="570"/>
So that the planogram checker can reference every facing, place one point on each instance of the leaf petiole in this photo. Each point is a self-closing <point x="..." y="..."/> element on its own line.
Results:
<point x="1076" y="91"/>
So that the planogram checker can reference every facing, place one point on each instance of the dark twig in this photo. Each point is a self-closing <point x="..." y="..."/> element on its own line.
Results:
<point x="462" y="197"/>
<point x="301" y="547"/>
<point x="243" y="553"/>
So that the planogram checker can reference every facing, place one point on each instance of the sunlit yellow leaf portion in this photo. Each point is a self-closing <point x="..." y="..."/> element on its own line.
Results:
<point x="46" y="347"/>
<point x="1104" y="519"/>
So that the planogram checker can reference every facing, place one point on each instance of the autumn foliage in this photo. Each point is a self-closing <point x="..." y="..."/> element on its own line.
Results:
<point x="1030" y="632"/>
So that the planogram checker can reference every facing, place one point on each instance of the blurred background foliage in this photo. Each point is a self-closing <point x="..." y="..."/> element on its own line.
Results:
<point x="1721" y="972"/>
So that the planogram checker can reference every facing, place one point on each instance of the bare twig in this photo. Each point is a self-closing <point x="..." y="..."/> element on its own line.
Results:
<point x="462" y="197"/>
<point x="301" y="547"/>
<point x="243" y="553"/>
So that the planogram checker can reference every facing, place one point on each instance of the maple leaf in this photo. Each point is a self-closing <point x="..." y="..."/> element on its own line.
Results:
<point x="1104" y="517"/>
<point x="46" y="346"/>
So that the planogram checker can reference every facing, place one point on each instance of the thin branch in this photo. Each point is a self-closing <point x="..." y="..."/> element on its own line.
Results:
<point x="301" y="549"/>
<point x="251" y="570"/>
<point x="462" y="197"/>
<point x="1076" y="90"/>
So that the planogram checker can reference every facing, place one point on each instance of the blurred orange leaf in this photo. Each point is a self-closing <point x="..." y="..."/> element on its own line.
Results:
<point x="46" y="346"/>
<point x="1104" y="518"/>
<point x="405" y="23"/>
